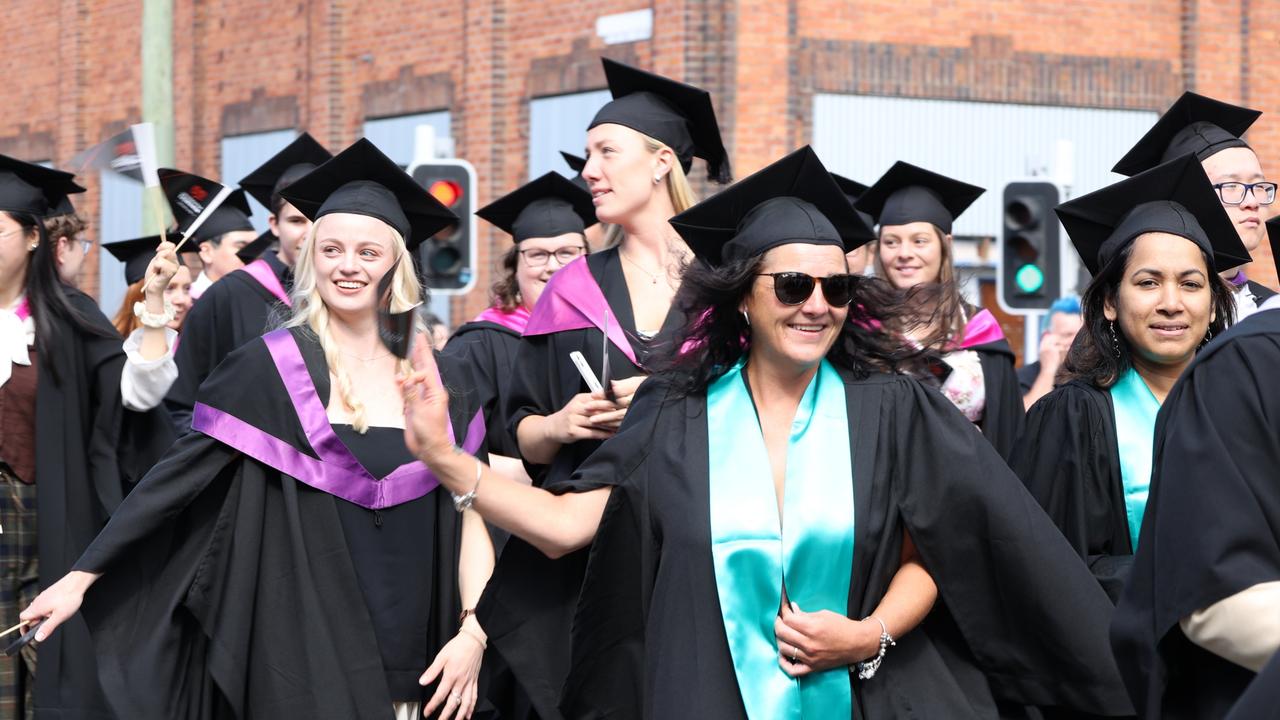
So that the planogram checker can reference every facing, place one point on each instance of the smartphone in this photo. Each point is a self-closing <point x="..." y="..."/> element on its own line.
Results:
<point x="584" y="369"/>
<point x="24" y="640"/>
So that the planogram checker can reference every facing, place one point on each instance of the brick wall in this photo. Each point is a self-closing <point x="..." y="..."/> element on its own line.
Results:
<point x="326" y="65"/>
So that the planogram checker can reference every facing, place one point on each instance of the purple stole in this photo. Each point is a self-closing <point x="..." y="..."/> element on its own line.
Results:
<point x="335" y="470"/>
<point x="516" y="320"/>
<point x="573" y="300"/>
<point x="259" y="270"/>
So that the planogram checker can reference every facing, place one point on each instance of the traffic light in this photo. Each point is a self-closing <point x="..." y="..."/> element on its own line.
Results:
<point x="446" y="260"/>
<point x="1030" y="276"/>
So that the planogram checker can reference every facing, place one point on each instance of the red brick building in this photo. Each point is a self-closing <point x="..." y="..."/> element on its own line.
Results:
<point x="246" y="67"/>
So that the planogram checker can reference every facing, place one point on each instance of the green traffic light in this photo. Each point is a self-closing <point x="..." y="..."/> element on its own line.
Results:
<point x="1030" y="279"/>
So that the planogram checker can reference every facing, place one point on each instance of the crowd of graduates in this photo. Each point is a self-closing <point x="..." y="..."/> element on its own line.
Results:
<point x="753" y="455"/>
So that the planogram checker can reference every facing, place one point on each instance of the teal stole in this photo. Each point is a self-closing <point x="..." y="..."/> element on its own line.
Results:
<point x="754" y="558"/>
<point x="1136" y="409"/>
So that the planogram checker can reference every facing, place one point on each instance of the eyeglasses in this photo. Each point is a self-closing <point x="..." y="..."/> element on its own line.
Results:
<point x="793" y="288"/>
<point x="1232" y="193"/>
<point x="87" y="244"/>
<point x="535" y="257"/>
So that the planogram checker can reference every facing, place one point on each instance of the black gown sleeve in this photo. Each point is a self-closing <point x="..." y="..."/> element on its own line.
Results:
<point x="1001" y="566"/>
<point x="535" y="381"/>
<point x="1067" y="459"/>
<point x="198" y="353"/>
<point x="1002" y="419"/>
<point x="1210" y="527"/>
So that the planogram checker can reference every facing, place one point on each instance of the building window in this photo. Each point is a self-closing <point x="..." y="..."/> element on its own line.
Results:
<point x="242" y="154"/>
<point x="395" y="135"/>
<point x="121" y="219"/>
<point x="560" y="123"/>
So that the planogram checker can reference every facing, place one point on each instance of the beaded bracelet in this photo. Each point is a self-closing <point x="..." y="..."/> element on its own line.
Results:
<point x="867" y="669"/>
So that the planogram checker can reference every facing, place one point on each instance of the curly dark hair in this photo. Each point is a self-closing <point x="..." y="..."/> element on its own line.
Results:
<point x="506" y="290"/>
<point x="872" y="339"/>
<point x="1097" y="359"/>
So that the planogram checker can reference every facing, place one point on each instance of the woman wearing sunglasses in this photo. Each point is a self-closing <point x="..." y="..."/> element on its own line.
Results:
<point x="613" y="307"/>
<point x="774" y="518"/>
<point x="546" y="219"/>
<point x="1153" y="244"/>
<point x="973" y="367"/>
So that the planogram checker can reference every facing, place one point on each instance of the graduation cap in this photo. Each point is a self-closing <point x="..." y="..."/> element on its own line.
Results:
<point x="677" y="114"/>
<point x="29" y="188"/>
<point x="136" y="255"/>
<point x="576" y="164"/>
<point x="547" y="207"/>
<point x="1175" y="198"/>
<point x="63" y="206"/>
<point x="364" y="181"/>
<point x="254" y="250"/>
<point x="853" y="190"/>
<point x="794" y="200"/>
<point x="1194" y="124"/>
<point x="188" y="195"/>
<point x="907" y="194"/>
<point x="297" y="159"/>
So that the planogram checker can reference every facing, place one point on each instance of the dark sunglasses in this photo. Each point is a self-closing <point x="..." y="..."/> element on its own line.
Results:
<point x="793" y="288"/>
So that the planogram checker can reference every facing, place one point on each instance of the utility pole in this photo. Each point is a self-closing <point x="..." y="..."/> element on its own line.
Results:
<point x="157" y="85"/>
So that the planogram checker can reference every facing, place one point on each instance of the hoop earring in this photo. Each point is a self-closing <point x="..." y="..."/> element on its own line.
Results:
<point x="1208" y="337"/>
<point x="746" y="318"/>
<point x="1115" y="341"/>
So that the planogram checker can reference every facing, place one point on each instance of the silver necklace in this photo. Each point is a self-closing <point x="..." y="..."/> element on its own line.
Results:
<point x="653" y="277"/>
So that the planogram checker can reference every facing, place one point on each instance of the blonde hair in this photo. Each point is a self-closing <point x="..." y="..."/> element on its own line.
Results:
<point x="678" y="189"/>
<point x="310" y="311"/>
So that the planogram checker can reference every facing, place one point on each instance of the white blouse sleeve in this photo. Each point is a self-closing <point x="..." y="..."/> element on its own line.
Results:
<point x="1244" y="628"/>
<point x="144" y="383"/>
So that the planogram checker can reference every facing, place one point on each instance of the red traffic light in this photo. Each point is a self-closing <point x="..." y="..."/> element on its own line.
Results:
<point x="447" y="192"/>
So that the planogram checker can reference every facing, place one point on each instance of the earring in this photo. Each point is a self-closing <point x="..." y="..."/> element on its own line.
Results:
<point x="1208" y="336"/>
<point x="746" y="318"/>
<point x="657" y="179"/>
<point x="32" y="247"/>
<point x="1115" y="341"/>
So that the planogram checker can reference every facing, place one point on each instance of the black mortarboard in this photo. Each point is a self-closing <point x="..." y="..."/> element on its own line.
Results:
<point x="794" y="200"/>
<point x="853" y="190"/>
<point x="907" y="194"/>
<point x="136" y="255"/>
<point x="679" y="115"/>
<point x="576" y="164"/>
<point x="1175" y="198"/>
<point x="1194" y="124"/>
<point x="188" y="195"/>
<point x="63" y="206"/>
<point x="254" y="250"/>
<point x="29" y="188"/>
<point x="297" y="159"/>
<point x="547" y="207"/>
<point x="364" y="181"/>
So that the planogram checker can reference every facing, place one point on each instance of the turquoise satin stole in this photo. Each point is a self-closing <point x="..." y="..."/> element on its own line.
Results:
<point x="754" y="557"/>
<point x="1136" y="409"/>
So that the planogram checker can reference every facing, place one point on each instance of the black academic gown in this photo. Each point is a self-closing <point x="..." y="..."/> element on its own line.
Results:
<point x="1019" y="620"/>
<point x="491" y="350"/>
<point x="1069" y="459"/>
<point x="1261" y="701"/>
<point x="527" y="607"/>
<point x="230" y="590"/>
<point x="89" y="452"/>
<point x="1002" y="418"/>
<point x="234" y="310"/>
<point x="1210" y="527"/>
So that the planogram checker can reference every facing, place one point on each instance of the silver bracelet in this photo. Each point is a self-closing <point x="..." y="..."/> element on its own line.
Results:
<point x="463" y="503"/>
<point x="154" y="321"/>
<point x="867" y="669"/>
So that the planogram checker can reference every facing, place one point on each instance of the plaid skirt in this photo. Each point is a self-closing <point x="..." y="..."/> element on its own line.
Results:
<point x="19" y="585"/>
